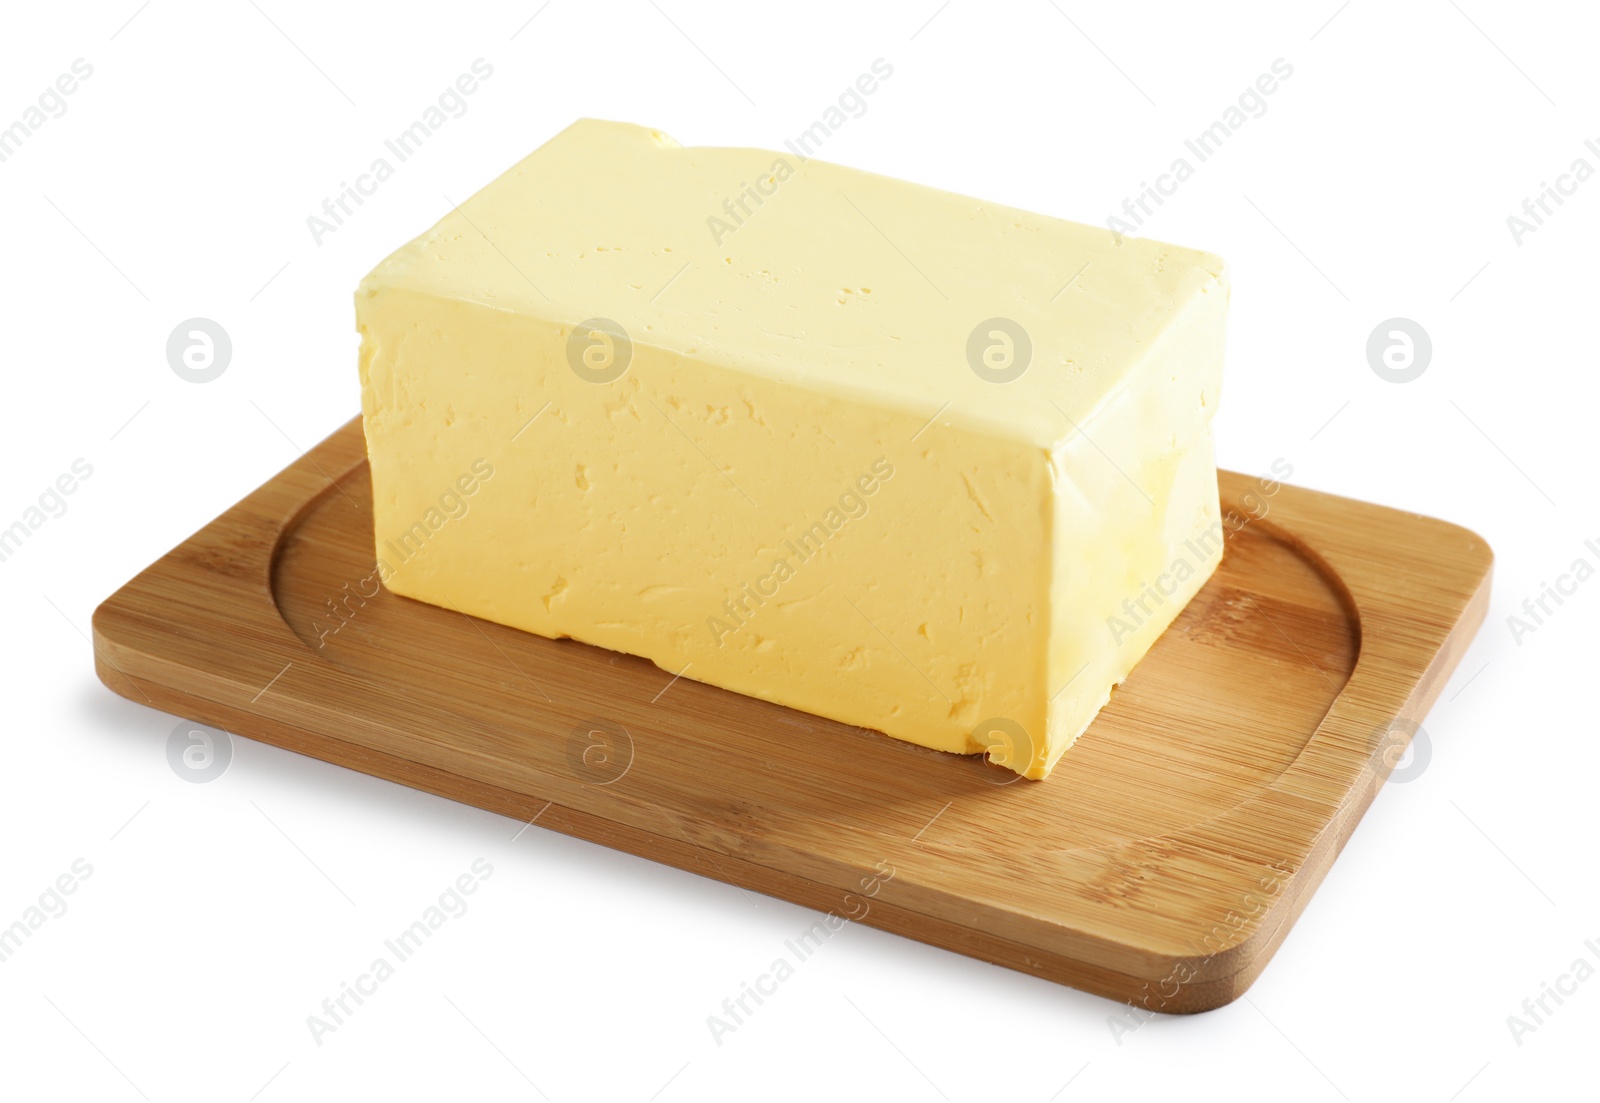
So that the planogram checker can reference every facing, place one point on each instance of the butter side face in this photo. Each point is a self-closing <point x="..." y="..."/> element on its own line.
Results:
<point x="1138" y="528"/>
<point x="799" y="488"/>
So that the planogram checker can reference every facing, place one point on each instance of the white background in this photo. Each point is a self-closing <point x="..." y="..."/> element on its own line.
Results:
<point x="219" y="916"/>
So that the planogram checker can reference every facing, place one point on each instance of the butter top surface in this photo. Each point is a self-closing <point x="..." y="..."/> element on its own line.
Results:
<point x="824" y="276"/>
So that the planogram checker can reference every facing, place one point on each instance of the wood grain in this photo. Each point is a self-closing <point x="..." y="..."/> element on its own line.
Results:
<point x="1161" y="863"/>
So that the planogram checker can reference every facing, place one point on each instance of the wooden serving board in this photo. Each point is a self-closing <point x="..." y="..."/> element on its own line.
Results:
<point x="1161" y="863"/>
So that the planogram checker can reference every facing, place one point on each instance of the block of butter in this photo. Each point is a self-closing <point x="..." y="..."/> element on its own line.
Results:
<point x="908" y="460"/>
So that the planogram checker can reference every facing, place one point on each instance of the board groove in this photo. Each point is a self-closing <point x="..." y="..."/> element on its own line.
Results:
<point x="1162" y="862"/>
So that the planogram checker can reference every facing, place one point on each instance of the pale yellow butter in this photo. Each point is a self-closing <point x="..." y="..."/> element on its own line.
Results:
<point x="849" y="444"/>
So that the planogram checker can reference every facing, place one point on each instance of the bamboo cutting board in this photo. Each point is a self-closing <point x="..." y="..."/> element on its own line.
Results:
<point x="1162" y="862"/>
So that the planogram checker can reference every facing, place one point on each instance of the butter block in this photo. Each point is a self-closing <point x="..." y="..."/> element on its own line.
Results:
<point x="908" y="460"/>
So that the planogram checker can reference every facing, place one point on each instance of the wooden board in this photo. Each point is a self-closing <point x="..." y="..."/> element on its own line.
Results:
<point x="1162" y="862"/>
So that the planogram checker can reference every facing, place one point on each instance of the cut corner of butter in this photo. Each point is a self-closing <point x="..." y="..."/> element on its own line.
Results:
<point x="732" y="427"/>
